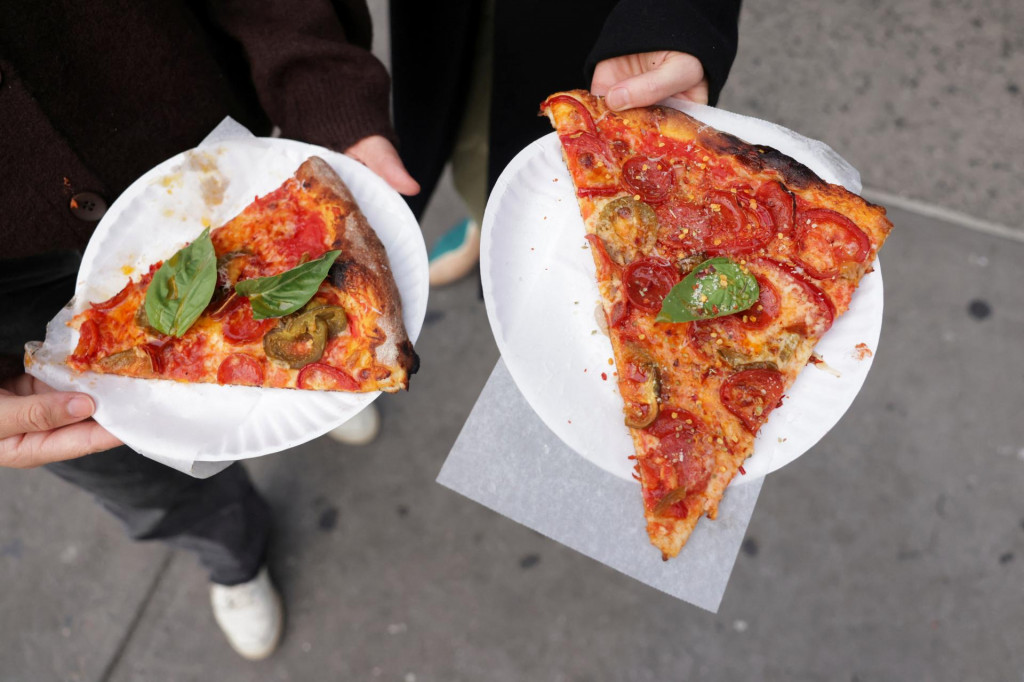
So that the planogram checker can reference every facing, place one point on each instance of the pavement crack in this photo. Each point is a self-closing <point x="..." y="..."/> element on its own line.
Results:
<point x="122" y="646"/>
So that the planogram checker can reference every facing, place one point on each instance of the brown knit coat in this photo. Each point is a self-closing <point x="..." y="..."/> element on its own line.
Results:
<point x="93" y="94"/>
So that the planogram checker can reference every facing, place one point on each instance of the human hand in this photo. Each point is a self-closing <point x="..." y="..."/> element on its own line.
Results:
<point x="380" y="156"/>
<point x="39" y="425"/>
<point x="637" y="80"/>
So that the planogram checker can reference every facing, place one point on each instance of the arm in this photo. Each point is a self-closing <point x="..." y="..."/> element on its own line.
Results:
<point x="316" y="79"/>
<point x="649" y="51"/>
<point x="39" y="425"/>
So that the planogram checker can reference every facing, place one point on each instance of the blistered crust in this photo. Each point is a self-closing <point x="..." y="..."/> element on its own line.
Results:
<point x="359" y="244"/>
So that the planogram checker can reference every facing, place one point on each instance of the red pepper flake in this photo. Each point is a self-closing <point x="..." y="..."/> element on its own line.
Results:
<point x="742" y="470"/>
<point x="604" y="376"/>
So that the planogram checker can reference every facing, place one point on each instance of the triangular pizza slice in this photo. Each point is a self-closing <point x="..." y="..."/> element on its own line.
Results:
<point x="720" y="265"/>
<point x="294" y="292"/>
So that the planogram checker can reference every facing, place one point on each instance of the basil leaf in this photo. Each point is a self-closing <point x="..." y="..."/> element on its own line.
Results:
<point x="716" y="287"/>
<point x="182" y="287"/>
<point x="285" y="293"/>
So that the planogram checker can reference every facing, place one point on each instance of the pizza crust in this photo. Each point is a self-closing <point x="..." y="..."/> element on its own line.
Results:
<point x="360" y="245"/>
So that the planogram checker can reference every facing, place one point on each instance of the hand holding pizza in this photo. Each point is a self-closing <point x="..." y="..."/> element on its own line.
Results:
<point x="39" y="425"/>
<point x="639" y="80"/>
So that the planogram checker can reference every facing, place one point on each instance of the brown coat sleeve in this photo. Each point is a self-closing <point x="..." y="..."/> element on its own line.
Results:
<point x="313" y="77"/>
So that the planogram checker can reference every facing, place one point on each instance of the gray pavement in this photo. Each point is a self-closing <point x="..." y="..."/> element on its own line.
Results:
<point x="893" y="550"/>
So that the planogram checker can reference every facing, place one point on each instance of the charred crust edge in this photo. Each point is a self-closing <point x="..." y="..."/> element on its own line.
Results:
<point x="761" y="158"/>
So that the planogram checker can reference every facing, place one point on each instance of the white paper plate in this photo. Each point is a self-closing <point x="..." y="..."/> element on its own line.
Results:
<point x="542" y="302"/>
<point x="158" y="214"/>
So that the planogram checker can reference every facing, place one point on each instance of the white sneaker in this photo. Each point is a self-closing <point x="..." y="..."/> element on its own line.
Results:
<point x="250" y="614"/>
<point x="360" y="429"/>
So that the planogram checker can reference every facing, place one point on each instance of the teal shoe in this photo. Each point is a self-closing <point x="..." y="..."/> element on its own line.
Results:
<point x="455" y="254"/>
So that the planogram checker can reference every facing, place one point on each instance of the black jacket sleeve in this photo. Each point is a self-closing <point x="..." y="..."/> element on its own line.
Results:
<point x="707" y="29"/>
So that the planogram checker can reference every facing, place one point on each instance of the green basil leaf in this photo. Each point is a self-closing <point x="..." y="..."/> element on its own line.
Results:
<point x="716" y="287"/>
<point x="285" y="293"/>
<point x="182" y="287"/>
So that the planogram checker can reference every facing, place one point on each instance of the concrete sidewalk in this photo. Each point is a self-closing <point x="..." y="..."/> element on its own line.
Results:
<point x="893" y="550"/>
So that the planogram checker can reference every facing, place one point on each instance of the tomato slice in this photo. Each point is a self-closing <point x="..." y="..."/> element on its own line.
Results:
<point x="114" y="300"/>
<point x="647" y="282"/>
<point x="752" y="394"/>
<point x="651" y="179"/>
<point x="88" y="341"/>
<point x="240" y="327"/>
<point x="780" y="203"/>
<point x="590" y="164"/>
<point x="826" y="240"/>
<point x="321" y="377"/>
<point x="240" y="369"/>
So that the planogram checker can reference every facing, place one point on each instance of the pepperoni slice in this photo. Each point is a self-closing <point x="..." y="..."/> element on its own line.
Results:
<point x="114" y="300"/>
<point x="590" y="164"/>
<point x="780" y="203"/>
<point x="682" y="464"/>
<point x="752" y="394"/>
<point x="765" y="311"/>
<point x="673" y="420"/>
<point x="683" y="227"/>
<point x="321" y="377"/>
<point x="652" y="180"/>
<point x="240" y="369"/>
<point x="607" y="267"/>
<point x="581" y="116"/>
<point x="184" y="359"/>
<point x="239" y="326"/>
<point x="155" y="351"/>
<point x="826" y="240"/>
<point x="647" y="282"/>
<point x="733" y="230"/>
<point x="88" y="341"/>
<point x="307" y="240"/>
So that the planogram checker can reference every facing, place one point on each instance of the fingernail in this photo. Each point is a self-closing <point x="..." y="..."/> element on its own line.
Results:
<point x="80" y="407"/>
<point x="618" y="98"/>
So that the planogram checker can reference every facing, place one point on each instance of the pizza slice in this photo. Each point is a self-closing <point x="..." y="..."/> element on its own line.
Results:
<point x="720" y="266"/>
<point x="294" y="292"/>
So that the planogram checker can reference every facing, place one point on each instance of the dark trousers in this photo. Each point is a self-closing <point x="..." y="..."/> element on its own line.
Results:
<point x="222" y="519"/>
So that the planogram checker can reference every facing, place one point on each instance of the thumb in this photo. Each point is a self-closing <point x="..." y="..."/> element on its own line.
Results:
<point x="42" y="412"/>
<point x="679" y="73"/>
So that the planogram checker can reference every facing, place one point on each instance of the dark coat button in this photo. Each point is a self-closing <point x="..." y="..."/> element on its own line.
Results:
<point x="88" y="206"/>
